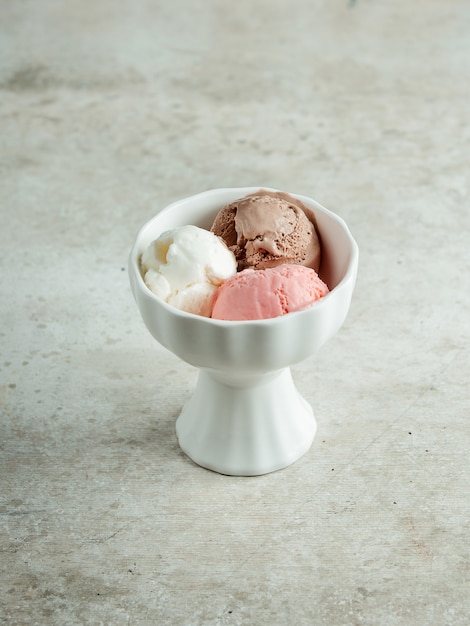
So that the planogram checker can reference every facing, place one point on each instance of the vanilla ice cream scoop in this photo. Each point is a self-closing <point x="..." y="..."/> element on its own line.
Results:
<point x="185" y="265"/>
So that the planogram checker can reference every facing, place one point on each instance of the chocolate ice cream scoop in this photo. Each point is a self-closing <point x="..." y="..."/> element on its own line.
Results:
<point x="267" y="229"/>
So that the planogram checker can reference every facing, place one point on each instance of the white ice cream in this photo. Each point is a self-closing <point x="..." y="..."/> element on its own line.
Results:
<point x="184" y="267"/>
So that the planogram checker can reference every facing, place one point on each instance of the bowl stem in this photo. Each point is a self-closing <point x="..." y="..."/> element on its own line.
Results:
<point x="245" y="425"/>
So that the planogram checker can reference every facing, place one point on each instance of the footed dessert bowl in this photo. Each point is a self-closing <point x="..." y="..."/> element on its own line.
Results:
<point x="246" y="416"/>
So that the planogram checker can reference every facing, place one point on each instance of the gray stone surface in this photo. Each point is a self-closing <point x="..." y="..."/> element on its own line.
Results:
<point x="108" y="111"/>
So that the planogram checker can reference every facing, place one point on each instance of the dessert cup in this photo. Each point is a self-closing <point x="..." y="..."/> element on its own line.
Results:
<point x="246" y="416"/>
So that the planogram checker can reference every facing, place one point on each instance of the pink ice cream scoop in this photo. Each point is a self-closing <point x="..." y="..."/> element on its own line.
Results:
<point x="261" y="294"/>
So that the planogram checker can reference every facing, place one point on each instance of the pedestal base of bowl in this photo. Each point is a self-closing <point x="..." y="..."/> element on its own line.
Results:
<point x="245" y="425"/>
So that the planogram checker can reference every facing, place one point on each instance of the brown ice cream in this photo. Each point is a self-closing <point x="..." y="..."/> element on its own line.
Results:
<point x="266" y="229"/>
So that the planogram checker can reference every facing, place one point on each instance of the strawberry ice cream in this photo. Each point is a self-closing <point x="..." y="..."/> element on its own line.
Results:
<point x="261" y="294"/>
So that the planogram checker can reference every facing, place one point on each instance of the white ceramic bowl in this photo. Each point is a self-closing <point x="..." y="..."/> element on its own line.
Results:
<point x="246" y="416"/>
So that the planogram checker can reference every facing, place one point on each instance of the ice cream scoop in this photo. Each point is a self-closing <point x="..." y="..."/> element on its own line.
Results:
<point x="266" y="229"/>
<point x="261" y="294"/>
<point x="185" y="265"/>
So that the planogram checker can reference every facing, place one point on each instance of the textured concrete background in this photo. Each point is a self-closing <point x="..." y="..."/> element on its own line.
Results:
<point x="108" y="111"/>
